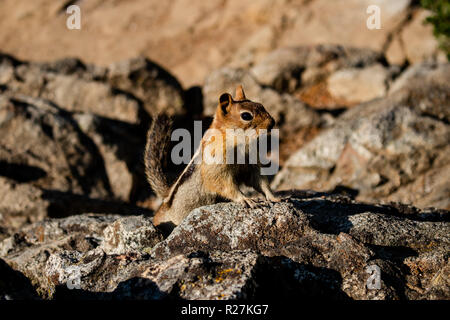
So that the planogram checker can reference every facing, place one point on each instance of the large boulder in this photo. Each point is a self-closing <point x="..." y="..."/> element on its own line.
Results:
<point x="157" y="89"/>
<point x="41" y="143"/>
<point x="110" y="121"/>
<point x="308" y="245"/>
<point x="129" y="90"/>
<point x="392" y="149"/>
<point x="80" y="233"/>
<point x="74" y="93"/>
<point x="121" y="146"/>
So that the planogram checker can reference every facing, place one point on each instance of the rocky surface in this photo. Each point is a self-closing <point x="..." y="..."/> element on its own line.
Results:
<point x="392" y="149"/>
<point x="308" y="245"/>
<point x="80" y="129"/>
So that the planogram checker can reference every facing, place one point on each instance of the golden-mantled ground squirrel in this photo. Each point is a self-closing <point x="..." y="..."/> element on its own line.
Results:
<point x="203" y="183"/>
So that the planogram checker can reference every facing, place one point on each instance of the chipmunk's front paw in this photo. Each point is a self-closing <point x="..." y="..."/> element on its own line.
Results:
<point x="273" y="198"/>
<point x="249" y="203"/>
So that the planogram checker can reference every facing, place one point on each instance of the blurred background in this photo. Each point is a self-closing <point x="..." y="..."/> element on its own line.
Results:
<point x="193" y="38"/>
<point x="362" y="112"/>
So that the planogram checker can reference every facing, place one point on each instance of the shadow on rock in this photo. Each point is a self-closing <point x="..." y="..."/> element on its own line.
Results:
<point x="132" y="289"/>
<point x="65" y="204"/>
<point x="14" y="285"/>
<point x="282" y="278"/>
<point x="331" y="215"/>
<point x="21" y="172"/>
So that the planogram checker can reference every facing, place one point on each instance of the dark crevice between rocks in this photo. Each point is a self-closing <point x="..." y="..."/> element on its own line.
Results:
<point x="136" y="288"/>
<point x="166" y="228"/>
<point x="8" y="59"/>
<point x="435" y="117"/>
<point x="63" y="204"/>
<point x="14" y="285"/>
<point x="21" y="172"/>
<point x="193" y="101"/>
<point x="401" y="25"/>
<point x="65" y="66"/>
<point x="318" y="211"/>
<point x="398" y="253"/>
<point x="394" y="275"/>
<point x="66" y="4"/>
<point x="281" y="278"/>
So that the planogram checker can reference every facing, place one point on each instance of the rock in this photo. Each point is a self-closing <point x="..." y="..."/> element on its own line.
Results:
<point x="430" y="73"/>
<point x="20" y="204"/>
<point x="381" y="148"/>
<point x="323" y="22"/>
<point x="42" y="144"/>
<point x="309" y="245"/>
<point x="121" y="146"/>
<point x="359" y="85"/>
<point x="74" y="93"/>
<point x="285" y="69"/>
<point x="220" y="275"/>
<point x="130" y="234"/>
<point x="155" y="87"/>
<point x="395" y="53"/>
<point x="129" y="90"/>
<point x="81" y="233"/>
<point x="418" y="45"/>
<point x="111" y="149"/>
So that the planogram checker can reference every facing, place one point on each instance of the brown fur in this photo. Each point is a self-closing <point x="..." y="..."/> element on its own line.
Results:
<point x="158" y="139"/>
<point x="205" y="183"/>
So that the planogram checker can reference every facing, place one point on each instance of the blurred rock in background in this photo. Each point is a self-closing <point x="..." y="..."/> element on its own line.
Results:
<point x="193" y="37"/>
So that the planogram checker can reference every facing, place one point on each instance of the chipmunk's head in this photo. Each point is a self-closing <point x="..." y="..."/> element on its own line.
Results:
<point x="241" y="113"/>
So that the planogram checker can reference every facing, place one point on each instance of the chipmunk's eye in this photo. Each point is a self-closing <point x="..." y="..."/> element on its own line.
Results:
<point x="246" y="116"/>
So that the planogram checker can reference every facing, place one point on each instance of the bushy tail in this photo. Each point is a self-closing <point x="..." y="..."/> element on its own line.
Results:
<point x="156" y="152"/>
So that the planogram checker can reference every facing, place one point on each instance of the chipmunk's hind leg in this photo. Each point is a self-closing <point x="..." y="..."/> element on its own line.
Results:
<point x="262" y="186"/>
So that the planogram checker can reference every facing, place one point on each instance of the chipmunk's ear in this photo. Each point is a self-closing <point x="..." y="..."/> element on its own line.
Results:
<point x="225" y="102"/>
<point x="240" y="95"/>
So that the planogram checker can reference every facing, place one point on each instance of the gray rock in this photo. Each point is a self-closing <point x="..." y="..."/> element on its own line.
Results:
<point x="74" y="93"/>
<point x="29" y="250"/>
<point x="391" y="149"/>
<point x="130" y="234"/>
<point x="41" y="143"/>
<point x="129" y="90"/>
<point x="287" y="69"/>
<point x="121" y="146"/>
<point x="155" y="87"/>
<point x="309" y="245"/>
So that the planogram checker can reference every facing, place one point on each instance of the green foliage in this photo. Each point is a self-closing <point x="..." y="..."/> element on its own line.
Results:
<point x="440" y="19"/>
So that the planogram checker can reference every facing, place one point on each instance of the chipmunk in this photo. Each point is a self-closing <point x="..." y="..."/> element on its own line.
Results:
<point x="207" y="183"/>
